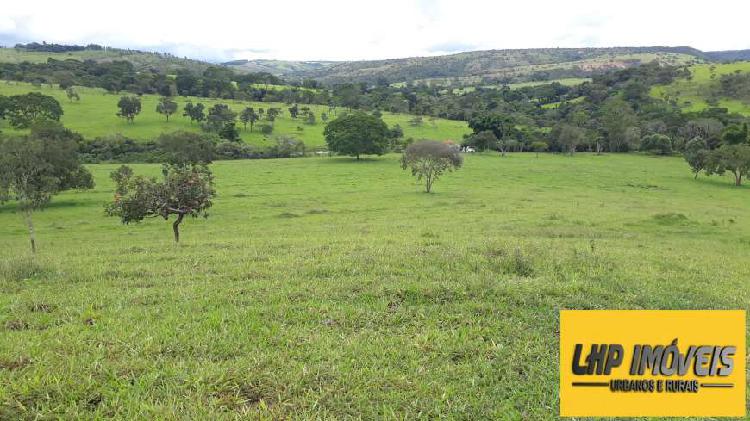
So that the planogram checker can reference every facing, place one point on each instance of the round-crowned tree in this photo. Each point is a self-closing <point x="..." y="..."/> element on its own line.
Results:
<point x="357" y="134"/>
<point x="429" y="159"/>
<point x="186" y="187"/>
<point x="183" y="190"/>
<point x="36" y="167"/>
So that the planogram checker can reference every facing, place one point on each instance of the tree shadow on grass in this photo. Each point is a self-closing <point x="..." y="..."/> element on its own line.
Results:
<point x="724" y="182"/>
<point x="349" y="159"/>
<point x="11" y="207"/>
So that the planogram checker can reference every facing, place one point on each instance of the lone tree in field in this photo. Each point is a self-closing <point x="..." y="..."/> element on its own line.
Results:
<point x="731" y="158"/>
<point x="429" y="159"/>
<point x="72" y="94"/>
<point x="130" y="106"/>
<point x="183" y="190"/>
<point x="186" y="187"/>
<point x="166" y="106"/>
<point x="38" y="166"/>
<point x="357" y="134"/>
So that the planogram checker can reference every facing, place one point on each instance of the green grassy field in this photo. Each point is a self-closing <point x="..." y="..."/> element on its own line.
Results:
<point x="95" y="115"/>
<point x="691" y="94"/>
<point x="330" y="288"/>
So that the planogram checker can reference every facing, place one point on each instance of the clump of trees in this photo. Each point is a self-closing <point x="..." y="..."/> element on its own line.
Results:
<point x="428" y="160"/>
<point x="657" y="143"/>
<point x="22" y="111"/>
<point x="356" y="134"/>
<point x="36" y="167"/>
<point x="194" y="112"/>
<point x="734" y="159"/>
<point x="730" y="153"/>
<point x="221" y="120"/>
<point x="185" y="189"/>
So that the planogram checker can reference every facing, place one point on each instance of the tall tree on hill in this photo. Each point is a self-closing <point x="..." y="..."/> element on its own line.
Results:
<point x="130" y="106"/>
<point x="36" y="167"/>
<point x="357" y="134"/>
<point x="248" y="116"/>
<point x="166" y="106"/>
<point x="501" y="126"/>
<point x="271" y="115"/>
<point x="619" y="121"/>
<point x="219" y="116"/>
<point x="293" y="111"/>
<point x="194" y="112"/>
<point x="569" y="137"/>
<point x="696" y="155"/>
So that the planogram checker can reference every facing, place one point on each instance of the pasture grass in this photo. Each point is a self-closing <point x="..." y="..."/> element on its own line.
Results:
<point x="330" y="288"/>
<point x="95" y="115"/>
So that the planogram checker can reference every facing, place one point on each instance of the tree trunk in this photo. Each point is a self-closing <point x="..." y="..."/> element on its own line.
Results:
<point x="737" y="179"/>
<point x="32" y="235"/>
<point x="176" y="227"/>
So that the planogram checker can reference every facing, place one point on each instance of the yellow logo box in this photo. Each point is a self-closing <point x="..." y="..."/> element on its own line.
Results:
<point x="652" y="363"/>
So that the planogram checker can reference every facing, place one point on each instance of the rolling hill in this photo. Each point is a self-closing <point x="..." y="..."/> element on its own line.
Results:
<point x="142" y="60"/>
<point x="511" y="66"/>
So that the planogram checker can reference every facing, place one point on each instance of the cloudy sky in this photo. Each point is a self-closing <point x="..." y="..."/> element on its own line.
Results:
<point x="220" y="30"/>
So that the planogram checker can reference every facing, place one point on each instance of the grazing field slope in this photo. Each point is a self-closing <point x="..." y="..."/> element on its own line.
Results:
<point x="330" y="288"/>
<point x="696" y="93"/>
<point x="95" y="115"/>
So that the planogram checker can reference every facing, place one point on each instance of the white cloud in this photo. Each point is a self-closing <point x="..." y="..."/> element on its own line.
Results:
<point x="340" y="29"/>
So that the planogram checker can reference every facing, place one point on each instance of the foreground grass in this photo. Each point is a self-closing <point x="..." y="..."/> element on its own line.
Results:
<point x="95" y="115"/>
<point x="329" y="288"/>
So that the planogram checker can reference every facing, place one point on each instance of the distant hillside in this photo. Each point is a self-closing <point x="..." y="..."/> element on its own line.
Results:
<point x="279" y="67"/>
<point x="510" y="66"/>
<point x="732" y="55"/>
<point x="142" y="60"/>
